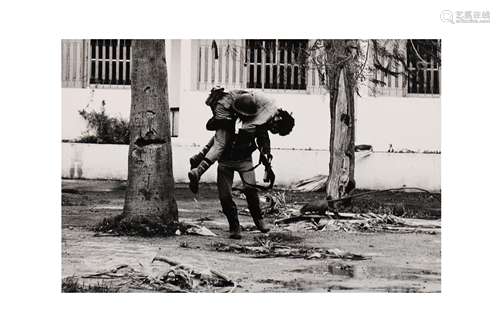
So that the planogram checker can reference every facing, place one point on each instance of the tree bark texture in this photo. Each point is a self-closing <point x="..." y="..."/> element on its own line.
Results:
<point x="341" y="168"/>
<point x="350" y="91"/>
<point x="150" y="190"/>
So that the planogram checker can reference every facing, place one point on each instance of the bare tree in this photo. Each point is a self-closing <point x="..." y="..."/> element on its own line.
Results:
<point x="344" y="65"/>
<point x="337" y="62"/>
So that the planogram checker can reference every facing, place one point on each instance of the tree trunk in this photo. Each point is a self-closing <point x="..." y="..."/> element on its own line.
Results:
<point x="349" y="87"/>
<point x="341" y="169"/>
<point x="150" y="190"/>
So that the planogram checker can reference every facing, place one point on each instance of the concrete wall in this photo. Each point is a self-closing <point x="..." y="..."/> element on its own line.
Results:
<point x="373" y="170"/>
<point x="405" y="122"/>
<point x="75" y="99"/>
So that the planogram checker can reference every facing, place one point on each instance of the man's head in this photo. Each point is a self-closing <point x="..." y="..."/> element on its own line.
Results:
<point x="215" y="94"/>
<point x="245" y="105"/>
<point x="282" y="123"/>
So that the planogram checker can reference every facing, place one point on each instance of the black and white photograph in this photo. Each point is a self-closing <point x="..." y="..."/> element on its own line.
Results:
<point x="256" y="166"/>
<point x="251" y="165"/>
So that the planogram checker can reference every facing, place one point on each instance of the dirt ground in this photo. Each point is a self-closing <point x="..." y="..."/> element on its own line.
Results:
<point x="397" y="262"/>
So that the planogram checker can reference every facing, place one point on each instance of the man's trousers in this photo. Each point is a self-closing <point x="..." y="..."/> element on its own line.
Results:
<point x="225" y="177"/>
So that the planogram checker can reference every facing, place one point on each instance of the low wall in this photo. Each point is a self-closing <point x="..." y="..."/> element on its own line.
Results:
<point x="373" y="170"/>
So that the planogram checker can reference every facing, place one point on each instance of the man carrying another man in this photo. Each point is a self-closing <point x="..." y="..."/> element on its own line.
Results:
<point x="241" y="120"/>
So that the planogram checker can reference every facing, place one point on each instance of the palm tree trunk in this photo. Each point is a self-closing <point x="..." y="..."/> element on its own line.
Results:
<point x="150" y="190"/>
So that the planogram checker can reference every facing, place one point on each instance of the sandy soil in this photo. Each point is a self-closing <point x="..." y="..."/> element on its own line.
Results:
<point x="399" y="262"/>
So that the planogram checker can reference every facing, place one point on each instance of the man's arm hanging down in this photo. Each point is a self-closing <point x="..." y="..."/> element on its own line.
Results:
<point x="263" y="141"/>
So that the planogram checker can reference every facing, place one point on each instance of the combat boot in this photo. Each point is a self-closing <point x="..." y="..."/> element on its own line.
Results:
<point x="262" y="225"/>
<point x="195" y="160"/>
<point x="234" y="227"/>
<point x="254" y="207"/>
<point x="195" y="174"/>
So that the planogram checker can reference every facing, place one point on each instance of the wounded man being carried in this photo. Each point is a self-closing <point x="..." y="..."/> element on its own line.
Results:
<point x="239" y="116"/>
<point x="232" y="146"/>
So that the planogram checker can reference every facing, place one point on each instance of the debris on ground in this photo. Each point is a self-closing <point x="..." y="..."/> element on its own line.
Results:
<point x="191" y="278"/>
<point x="200" y="231"/>
<point x="204" y="218"/>
<point x="313" y="184"/>
<point x="315" y="207"/>
<point x="263" y="247"/>
<point x="274" y="205"/>
<point x="177" y="277"/>
<point x="142" y="226"/>
<point x="146" y="226"/>
<point x="365" y="222"/>
<point x="341" y="269"/>
<point x="72" y="284"/>
<point x="280" y="237"/>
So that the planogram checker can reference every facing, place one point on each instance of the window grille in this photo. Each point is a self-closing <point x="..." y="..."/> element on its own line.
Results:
<point x="110" y="61"/>
<point x="423" y="69"/>
<point x="276" y="64"/>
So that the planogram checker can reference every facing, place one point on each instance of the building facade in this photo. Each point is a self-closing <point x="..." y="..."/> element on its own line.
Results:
<point x="400" y="113"/>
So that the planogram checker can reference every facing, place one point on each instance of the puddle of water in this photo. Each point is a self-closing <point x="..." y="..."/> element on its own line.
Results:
<point x="341" y="269"/>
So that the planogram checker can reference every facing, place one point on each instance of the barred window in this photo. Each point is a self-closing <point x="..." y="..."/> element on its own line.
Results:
<point x="110" y="61"/>
<point x="276" y="64"/>
<point x="423" y="67"/>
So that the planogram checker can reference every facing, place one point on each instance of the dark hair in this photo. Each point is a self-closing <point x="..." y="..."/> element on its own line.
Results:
<point x="215" y="94"/>
<point x="286" y="123"/>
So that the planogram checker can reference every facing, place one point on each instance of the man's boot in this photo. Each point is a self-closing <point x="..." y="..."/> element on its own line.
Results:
<point x="195" y="160"/>
<point x="262" y="225"/>
<point x="254" y="208"/>
<point x="234" y="226"/>
<point x="195" y="174"/>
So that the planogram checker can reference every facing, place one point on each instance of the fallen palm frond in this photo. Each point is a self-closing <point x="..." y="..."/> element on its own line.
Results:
<point x="208" y="277"/>
<point x="274" y="205"/>
<point x="266" y="248"/>
<point x="366" y="222"/>
<point x="177" y="277"/>
<point x="313" y="184"/>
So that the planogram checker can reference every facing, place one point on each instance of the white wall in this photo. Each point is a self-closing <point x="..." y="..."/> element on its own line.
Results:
<point x="405" y="122"/>
<point x="373" y="171"/>
<point x="75" y="99"/>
